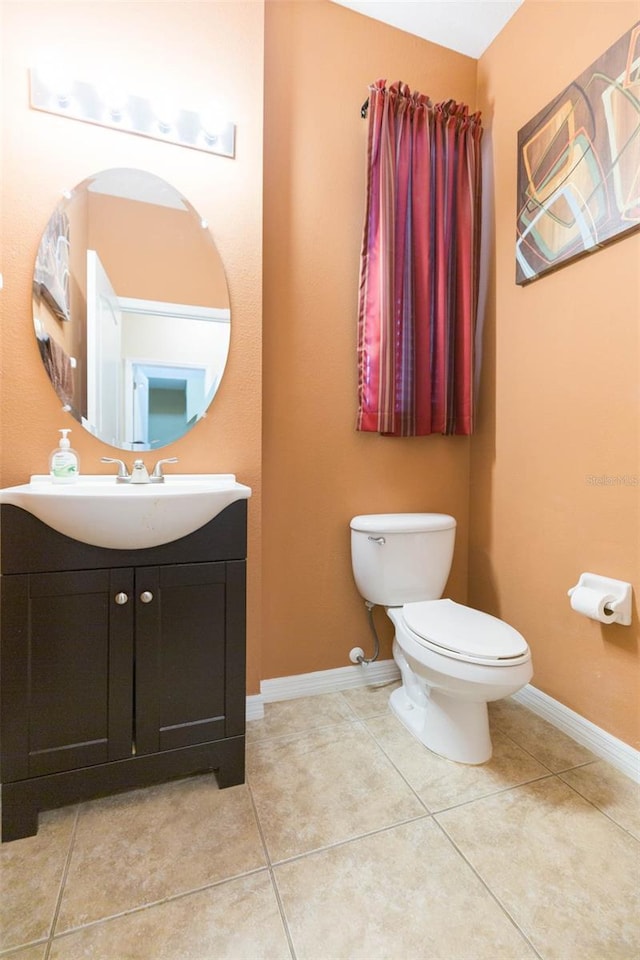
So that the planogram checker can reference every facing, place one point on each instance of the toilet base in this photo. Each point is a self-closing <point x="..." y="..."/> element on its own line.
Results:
<point x="455" y="729"/>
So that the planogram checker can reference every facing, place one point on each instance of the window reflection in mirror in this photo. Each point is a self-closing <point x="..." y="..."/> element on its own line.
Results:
<point x="131" y="309"/>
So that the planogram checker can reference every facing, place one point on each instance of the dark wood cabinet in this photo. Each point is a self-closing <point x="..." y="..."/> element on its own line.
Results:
<point x="118" y="668"/>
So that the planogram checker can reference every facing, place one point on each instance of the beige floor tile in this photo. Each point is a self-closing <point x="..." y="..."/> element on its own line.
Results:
<point x="146" y="845"/>
<point x="613" y="792"/>
<point x="35" y="952"/>
<point x="568" y="876"/>
<point x="442" y="783"/>
<point x="370" y="701"/>
<point x="325" y="786"/>
<point x="30" y="874"/>
<point x="289" y="717"/>
<point x="238" y="920"/>
<point x="543" y="741"/>
<point x="403" y="893"/>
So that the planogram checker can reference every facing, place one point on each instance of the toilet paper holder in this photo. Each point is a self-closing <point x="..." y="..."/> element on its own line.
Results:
<point x="619" y="606"/>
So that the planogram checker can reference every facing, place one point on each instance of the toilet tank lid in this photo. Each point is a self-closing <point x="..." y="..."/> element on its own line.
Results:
<point x="402" y="522"/>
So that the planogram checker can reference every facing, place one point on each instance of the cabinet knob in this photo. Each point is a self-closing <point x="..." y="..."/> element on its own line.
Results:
<point x="121" y="598"/>
<point x="146" y="596"/>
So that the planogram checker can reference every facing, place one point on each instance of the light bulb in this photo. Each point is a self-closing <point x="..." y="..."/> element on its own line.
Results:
<point x="115" y="98"/>
<point x="57" y="82"/>
<point x="166" y="112"/>
<point x="212" y="123"/>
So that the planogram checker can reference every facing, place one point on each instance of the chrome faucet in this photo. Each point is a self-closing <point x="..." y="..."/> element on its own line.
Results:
<point x="139" y="472"/>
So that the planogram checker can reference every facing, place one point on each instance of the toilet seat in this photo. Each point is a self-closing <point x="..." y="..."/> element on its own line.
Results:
<point x="464" y="633"/>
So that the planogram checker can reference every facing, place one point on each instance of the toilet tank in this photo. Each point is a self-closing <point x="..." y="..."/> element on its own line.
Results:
<point x="401" y="558"/>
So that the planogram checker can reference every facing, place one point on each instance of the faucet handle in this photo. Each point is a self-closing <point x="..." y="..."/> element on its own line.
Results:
<point x="123" y="473"/>
<point x="157" y="475"/>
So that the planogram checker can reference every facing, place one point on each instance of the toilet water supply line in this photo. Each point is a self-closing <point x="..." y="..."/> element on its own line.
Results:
<point x="357" y="654"/>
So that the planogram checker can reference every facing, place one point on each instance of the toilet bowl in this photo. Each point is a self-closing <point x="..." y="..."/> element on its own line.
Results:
<point x="453" y="659"/>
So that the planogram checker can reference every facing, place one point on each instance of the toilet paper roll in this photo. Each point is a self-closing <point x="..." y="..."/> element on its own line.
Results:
<point x="592" y="603"/>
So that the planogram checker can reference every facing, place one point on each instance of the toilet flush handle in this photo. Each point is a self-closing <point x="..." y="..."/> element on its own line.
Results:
<point x="379" y="540"/>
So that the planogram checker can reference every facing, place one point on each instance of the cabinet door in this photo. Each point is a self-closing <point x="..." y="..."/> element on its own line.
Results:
<point x="184" y="674"/>
<point x="67" y="692"/>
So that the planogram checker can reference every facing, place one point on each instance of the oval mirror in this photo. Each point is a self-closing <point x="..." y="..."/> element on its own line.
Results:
<point x="131" y="309"/>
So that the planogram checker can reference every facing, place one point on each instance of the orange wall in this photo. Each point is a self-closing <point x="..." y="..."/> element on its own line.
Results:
<point x="318" y="472"/>
<point x="195" y="52"/>
<point x="559" y="400"/>
<point x="167" y="256"/>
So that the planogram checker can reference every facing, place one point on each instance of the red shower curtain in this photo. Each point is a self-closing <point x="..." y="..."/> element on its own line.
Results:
<point x="419" y="265"/>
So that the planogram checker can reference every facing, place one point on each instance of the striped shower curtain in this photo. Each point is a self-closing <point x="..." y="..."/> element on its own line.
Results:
<point x="419" y="265"/>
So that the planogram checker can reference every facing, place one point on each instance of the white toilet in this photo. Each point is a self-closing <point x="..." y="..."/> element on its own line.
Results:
<point x="453" y="659"/>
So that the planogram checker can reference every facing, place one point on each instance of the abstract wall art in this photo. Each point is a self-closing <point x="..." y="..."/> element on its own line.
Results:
<point x="579" y="165"/>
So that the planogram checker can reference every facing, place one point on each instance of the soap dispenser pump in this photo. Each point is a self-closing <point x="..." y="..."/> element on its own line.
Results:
<point x="63" y="462"/>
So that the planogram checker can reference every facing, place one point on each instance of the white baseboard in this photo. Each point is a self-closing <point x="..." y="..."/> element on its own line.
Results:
<point x="255" y="706"/>
<point x="603" y="744"/>
<point x="321" y="681"/>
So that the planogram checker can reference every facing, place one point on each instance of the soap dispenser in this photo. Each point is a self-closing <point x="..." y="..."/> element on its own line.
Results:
<point x="63" y="462"/>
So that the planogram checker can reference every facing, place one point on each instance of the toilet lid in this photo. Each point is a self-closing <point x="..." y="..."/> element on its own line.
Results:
<point x="462" y="630"/>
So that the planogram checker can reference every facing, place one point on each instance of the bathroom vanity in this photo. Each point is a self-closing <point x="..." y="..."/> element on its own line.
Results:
<point x="120" y="668"/>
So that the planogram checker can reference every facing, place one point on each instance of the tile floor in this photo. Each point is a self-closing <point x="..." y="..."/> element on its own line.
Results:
<point x="349" y="840"/>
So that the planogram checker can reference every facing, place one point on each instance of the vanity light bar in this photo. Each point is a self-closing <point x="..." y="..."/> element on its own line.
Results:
<point x="123" y="111"/>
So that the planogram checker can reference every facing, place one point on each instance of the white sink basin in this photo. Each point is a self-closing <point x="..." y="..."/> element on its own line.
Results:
<point x="126" y="516"/>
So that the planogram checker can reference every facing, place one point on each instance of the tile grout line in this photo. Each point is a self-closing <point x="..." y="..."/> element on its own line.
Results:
<point x="303" y="731"/>
<point x="129" y="911"/>
<point x="595" y="805"/>
<point x="353" y="719"/>
<point x="579" y="766"/>
<point x="486" y="886"/>
<point x="494" y="793"/>
<point x="395" y="767"/>
<point x="563" y="770"/>
<point x="274" y="884"/>
<point x="509" y="736"/>
<point x="343" y="843"/>
<point x="573" y="766"/>
<point x="10" y="953"/>
<point x="63" y="883"/>
<point x="350" y="706"/>
<point x="339" y="843"/>
<point x="455" y="806"/>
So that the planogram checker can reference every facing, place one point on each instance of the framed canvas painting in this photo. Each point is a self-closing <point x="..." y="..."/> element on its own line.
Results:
<point x="579" y="165"/>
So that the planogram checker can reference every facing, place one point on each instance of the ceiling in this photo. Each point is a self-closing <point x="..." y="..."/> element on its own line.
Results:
<point x="467" y="26"/>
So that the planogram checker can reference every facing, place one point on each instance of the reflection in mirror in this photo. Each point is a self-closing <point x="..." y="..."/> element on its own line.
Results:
<point x="131" y="309"/>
